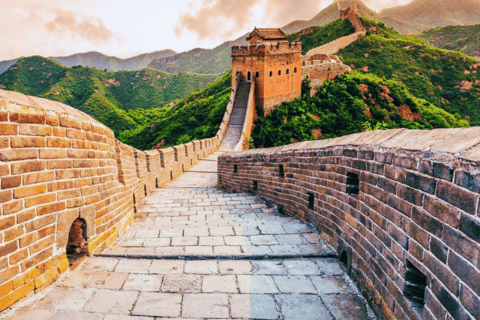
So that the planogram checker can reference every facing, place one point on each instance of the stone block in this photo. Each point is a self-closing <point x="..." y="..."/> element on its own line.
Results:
<point x="459" y="197"/>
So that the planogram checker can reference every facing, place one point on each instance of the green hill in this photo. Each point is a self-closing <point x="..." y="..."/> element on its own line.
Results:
<point x="196" y="117"/>
<point x="465" y="39"/>
<point x="107" y="96"/>
<point x="352" y="103"/>
<point x="412" y="85"/>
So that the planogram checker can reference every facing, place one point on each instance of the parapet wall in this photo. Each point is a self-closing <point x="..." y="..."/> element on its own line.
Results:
<point x="400" y="206"/>
<point x="58" y="165"/>
<point x="265" y="49"/>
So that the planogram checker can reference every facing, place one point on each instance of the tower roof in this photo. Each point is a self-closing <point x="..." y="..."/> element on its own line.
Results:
<point x="268" y="34"/>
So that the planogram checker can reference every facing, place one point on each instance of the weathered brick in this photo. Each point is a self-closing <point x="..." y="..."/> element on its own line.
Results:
<point x="470" y="226"/>
<point x="8" y="129"/>
<point x="8" y="248"/>
<point x="26" y="215"/>
<point x="398" y="235"/>
<point x="435" y="306"/>
<point x="415" y="232"/>
<point x="467" y="180"/>
<point x="395" y="173"/>
<point x="35" y="130"/>
<point x="13" y="233"/>
<point x="442" y="171"/>
<point x="387" y="185"/>
<point x="461" y="244"/>
<point x="439" y="249"/>
<point x="427" y="222"/>
<point x="67" y="174"/>
<point x="45" y="232"/>
<point x="24" y="192"/>
<point x="459" y="197"/>
<point x="52" y="153"/>
<point x="442" y="211"/>
<point x="38" y="177"/>
<point x="50" y="208"/>
<point x="70" y="123"/>
<point x="44" y="198"/>
<point x="411" y="195"/>
<point x="405" y="162"/>
<point x="421" y="182"/>
<point x="28" y="166"/>
<point x="384" y="157"/>
<point x="400" y="205"/>
<point x="442" y="272"/>
<point x="4" y="142"/>
<point x="59" y="143"/>
<point x="450" y="303"/>
<point x="75" y="134"/>
<point x="40" y="223"/>
<point x="68" y="194"/>
<point x="53" y="121"/>
<point x="27" y="118"/>
<point x="59" y="132"/>
<point x="7" y="222"/>
<point x="465" y="271"/>
<point x="11" y="182"/>
<point x="470" y="301"/>
<point x="18" y="256"/>
<point x="16" y="155"/>
<point x="12" y="207"/>
<point x="28" y="239"/>
<point x="59" y="164"/>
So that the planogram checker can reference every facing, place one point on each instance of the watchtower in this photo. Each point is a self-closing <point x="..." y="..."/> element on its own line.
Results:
<point x="275" y="63"/>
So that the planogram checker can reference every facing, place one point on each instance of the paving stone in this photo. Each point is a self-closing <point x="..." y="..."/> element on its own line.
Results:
<point x="99" y="264"/>
<point x="170" y="251"/>
<point x="107" y="280"/>
<point x="77" y="279"/>
<point x="330" y="285"/>
<point x="346" y="307"/>
<point x="227" y="250"/>
<point x="291" y="239"/>
<point x="302" y="307"/>
<point x="199" y="250"/>
<point x="235" y="267"/>
<point x="184" y="241"/>
<point x="141" y="251"/>
<point x="294" y="284"/>
<point x="301" y="267"/>
<point x="246" y="230"/>
<point x="133" y="266"/>
<point x="256" y="284"/>
<point x="268" y="267"/>
<point x="159" y="242"/>
<point x="169" y="233"/>
<point x="296" y="228"/>
<point x="258" y="306"/>
<point x="166" y="266"/>
<point x="263" y="240"/>
<point x="179" y="283"/>
<point x="219" y="284"/>
<point x="221" y="231"/>
<point x="29" y="314"/>
<point x="211" y="241"/>
<point x="311" y="248"/>
<point x="147" y="234"/>
<point x="271" y="229"/>
<point x="205" y="306"/>
<point x="312" y="238"/>
<point x="143" y="282"/>
<point x="71" y="299"/>
<point x="110" y="301"/>
<point x="76" y="316"/>
<point x="331" y="268"/>
<point x="196" y="232"/>
<point x="124" y="317"/>
<point x="256" y="250"/>
<point x="158" y="304"/>
<point x="285" y="249"/>
<point x="201" y="267"/>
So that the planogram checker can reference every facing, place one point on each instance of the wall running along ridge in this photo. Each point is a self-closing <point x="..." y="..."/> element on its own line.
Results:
<point x="416" y="212"/>
<point x="57" y="165"/>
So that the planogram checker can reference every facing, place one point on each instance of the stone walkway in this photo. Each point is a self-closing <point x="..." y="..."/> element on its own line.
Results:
<point x="196" y="252"/>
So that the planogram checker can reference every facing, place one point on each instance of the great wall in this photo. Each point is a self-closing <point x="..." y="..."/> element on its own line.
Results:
<point x="399" y="208"/>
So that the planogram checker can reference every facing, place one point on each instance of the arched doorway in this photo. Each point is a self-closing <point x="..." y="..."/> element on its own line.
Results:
<point x="77" y="241"/>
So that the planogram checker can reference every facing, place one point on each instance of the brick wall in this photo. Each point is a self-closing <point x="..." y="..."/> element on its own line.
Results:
<point x="338" y="44"/>
<point x="416" y="212"/>
<point x="58" y="165"/>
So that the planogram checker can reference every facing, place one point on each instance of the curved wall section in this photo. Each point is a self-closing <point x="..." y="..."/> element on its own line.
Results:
<point x="401" y="207"/>
<point x="58" y="165"/>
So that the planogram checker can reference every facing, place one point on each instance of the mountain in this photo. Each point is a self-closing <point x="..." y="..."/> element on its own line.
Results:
<point x="211" y="61"/>
<point x="120" y="100"/>
<point x="465" y="39"/>
<point x="100" y="61"/>
<point x="436" y="13"/>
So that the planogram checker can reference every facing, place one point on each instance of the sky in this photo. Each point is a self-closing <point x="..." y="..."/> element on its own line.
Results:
<point x="124" y="28"/>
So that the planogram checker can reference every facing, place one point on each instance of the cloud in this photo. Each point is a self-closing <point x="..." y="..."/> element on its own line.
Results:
<point x="88" y="28"/>
<point x="223" y="18"/>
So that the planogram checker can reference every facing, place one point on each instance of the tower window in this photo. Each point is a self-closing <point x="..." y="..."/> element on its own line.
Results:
<point x="281" y="173"/>
<point x="288" y="71"/>
<point x="352" y="184"/>
<point x="257" y="75"/>
<point x="235" y="168"/>
<point x="249" y="76"/>
<point x="414" y="287"/>
<point x="271" y="73"/>
<point x="295" y="70"/>
<point x="279" y="72"/>
<point x="255" y="185"/>
<point x="311" y="201"/>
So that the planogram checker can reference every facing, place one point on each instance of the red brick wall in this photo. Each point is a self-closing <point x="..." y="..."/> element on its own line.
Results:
<point x="418" y="203"/>
<point x="58" y="165"/>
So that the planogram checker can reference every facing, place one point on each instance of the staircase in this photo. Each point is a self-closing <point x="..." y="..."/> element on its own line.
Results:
<point x="234" y="131"/>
